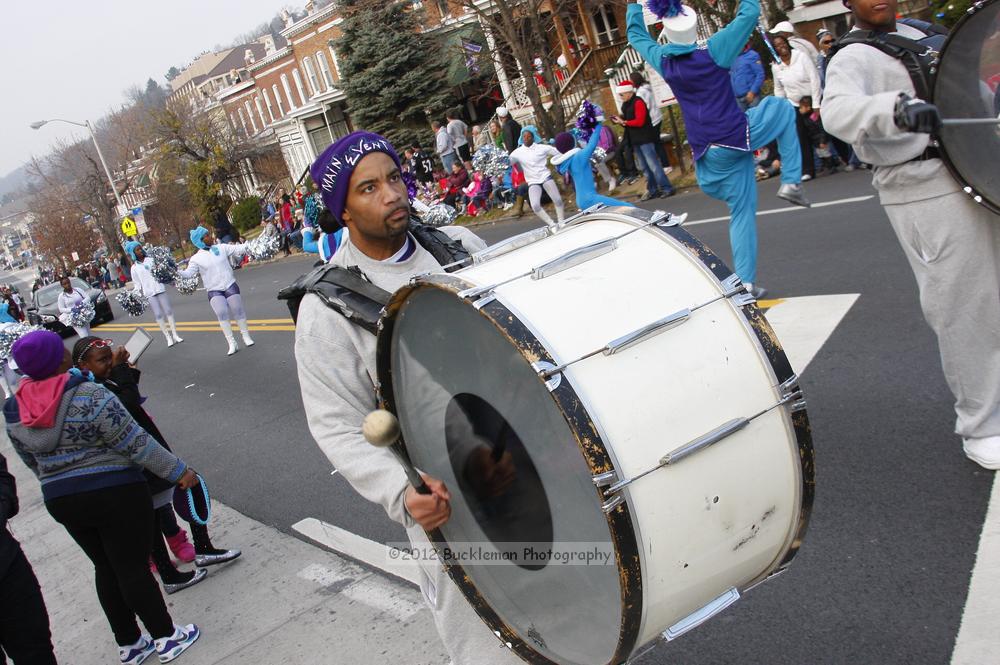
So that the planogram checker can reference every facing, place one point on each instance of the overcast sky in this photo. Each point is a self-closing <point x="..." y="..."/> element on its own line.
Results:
<point x="74" y="59"/>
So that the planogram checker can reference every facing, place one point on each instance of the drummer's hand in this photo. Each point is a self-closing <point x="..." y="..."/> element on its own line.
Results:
<point x="916" y="115"/>
<point x="429" y="510"/>
<point x="188" y="479"/>
<point x="120" y="356"/>
<point x="489" y="477"/>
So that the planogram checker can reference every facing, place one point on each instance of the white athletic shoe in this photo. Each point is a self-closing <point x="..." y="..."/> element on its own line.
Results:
<point x="985" y="451"/>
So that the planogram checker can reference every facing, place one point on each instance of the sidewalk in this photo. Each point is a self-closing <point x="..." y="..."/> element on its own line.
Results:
<point x="283" y="601"/>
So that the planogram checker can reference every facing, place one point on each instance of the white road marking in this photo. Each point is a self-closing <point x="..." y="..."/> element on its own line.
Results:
<point x="804" y="324"/>
<point x="978" y="641"/>
<point x="775" y="211"/>
<point x="368" y="589"/>
<point x="364" y="550"/>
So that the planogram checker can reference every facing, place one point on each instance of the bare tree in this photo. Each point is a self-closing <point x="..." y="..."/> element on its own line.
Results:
<point x="59" y="229"/>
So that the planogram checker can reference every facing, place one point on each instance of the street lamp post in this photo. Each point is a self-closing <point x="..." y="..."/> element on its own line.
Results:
<point x="38" y="124"/>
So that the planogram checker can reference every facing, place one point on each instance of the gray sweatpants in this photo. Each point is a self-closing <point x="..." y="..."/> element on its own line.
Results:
<point x="953" y="246"/>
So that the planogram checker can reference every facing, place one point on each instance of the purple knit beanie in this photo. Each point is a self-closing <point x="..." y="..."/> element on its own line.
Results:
<point x="38" y="354"/>
<point x="565" y="142"/>
<point x="332" y="170"/>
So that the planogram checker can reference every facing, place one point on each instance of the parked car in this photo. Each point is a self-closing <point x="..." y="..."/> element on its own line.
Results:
<point x="44" y="308"/>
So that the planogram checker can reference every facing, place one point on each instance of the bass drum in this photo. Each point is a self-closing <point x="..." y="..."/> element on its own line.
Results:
<point x="608" y="386"/>
<point x="967" y="85"/>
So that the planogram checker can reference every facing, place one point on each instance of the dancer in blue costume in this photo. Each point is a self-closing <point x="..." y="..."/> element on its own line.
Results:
<point x="722" y="137"/>
<point x="576" y="162"/>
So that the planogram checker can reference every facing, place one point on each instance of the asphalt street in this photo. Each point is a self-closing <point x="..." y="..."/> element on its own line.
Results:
<point x="884" y="570"/>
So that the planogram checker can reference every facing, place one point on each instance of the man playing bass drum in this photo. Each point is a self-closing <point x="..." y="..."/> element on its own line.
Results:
<point x="952" y="244"/>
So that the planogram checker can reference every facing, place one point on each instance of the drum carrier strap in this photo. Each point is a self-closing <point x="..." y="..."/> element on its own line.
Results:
<point x="349" y="292"/>
<point x="918" y="56"/>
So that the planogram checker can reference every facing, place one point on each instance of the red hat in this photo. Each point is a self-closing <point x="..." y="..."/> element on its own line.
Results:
<point x="625" y="86"/>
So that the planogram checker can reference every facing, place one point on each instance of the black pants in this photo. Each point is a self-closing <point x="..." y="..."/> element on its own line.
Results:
<point x="24" y="622"/>
<point x="114" y="527"/>
<point x="805" y="143"/>
<point x="626" y="160"/>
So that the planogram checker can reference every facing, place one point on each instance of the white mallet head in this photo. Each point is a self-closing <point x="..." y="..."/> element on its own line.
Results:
<point x="380" y="428"/>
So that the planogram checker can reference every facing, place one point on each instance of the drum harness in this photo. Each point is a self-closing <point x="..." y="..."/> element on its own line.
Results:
<point x="349" y="292"/>
<point x="920" y="57"/>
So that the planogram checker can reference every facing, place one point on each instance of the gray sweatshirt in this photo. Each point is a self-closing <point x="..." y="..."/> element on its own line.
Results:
<point x="862" y="85"/>
<point x="336" y="366"/>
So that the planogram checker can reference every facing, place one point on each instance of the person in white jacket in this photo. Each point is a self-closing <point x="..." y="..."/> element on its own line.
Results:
<point x="154" y="292"/>
<point x="336" y="366"/>
<point x="70" y="298"/>
<point x="211" y="261"/>
<point x="951" y="243"/>
<point x="532" y="157"/>
<point x="796" y="76"/>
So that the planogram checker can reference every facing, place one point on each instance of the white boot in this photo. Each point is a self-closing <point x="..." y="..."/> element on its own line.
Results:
<point x="227" y="330"/>
<point x="166" y="333"/>
<point x="173" y="328"/>
<point x="246" y="332"/>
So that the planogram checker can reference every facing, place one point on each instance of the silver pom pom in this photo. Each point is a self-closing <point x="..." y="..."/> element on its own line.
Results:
<point x="133" y="302"/>
<point x="11" y="334"/>
<point x="164" y="268"/>
<point x="80" y="316"/>
<point x="491" y="161"/>
<point x="264" y="246"/>
<point x="440" y="214"/>
<point x="596" y="159"/>
<point x="186" y="285"/>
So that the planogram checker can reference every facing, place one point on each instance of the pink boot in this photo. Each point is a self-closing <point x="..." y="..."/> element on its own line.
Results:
<point x="180" y="546"/>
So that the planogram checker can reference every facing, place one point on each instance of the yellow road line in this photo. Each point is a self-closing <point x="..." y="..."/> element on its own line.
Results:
<point x="767" y="304"/>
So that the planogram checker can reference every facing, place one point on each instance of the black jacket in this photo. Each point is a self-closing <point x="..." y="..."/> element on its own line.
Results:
<point x="638" y="135"/>
<point x="511" y="133"/>
<point x="124" y="383"/>
<point x="8" y="508"/>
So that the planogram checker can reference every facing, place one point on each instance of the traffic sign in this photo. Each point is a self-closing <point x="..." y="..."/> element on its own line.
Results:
<point x="129" y="228"/>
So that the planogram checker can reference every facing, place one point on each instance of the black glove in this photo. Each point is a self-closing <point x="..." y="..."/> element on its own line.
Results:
<point x="914" y="115"/>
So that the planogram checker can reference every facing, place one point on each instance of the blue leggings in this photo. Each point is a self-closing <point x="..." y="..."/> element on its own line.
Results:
<point x="728" y="175"/>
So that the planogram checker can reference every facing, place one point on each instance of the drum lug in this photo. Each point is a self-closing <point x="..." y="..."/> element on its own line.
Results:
<point x="664" y="219"/>
<point x="485" y="300"/>
<point x="702" y="615"/>
<point x="732" y="285"/>
<point x="544" y="369"/>
<point x="612" y="503"/>
<point x="574" y="258"/>
<point x="605" y="479"/>
<point x="791" y="394"/>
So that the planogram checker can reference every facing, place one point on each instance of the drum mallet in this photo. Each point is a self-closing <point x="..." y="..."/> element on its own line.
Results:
<point x="381" y="429"/>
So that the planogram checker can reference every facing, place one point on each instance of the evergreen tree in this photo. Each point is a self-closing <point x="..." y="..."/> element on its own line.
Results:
<point x="947" y="12"/>
<point x="391" y="72"/>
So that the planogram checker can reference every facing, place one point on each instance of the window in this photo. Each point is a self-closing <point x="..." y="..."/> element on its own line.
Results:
<point x="243" y="122"/>
<point x="277" y="100"/>
<point x="253" y="124"/>
<point x="298" y="85"/>
<point x="606" y="25"/>
<point x="311" y="77"/>
<point x="260" y="111"/>
<point x="324" y="69"/>
<point x="267" y="102"/>
<point x="288" y="91"/>
<point x="336" y="63"/>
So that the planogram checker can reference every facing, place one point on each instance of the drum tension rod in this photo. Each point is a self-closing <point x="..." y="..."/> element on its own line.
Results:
<point x="568" y="260"/>
<point x="790" y="394"/>
<point x="732" y="289"/>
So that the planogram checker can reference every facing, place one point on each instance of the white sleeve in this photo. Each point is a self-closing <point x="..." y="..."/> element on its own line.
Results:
<point x="192" y="270"/>
<point x="470" y="240"/>
<point x="337" y="394"/>
<point x="850" y="111"/>
<point x="779" y="89"/>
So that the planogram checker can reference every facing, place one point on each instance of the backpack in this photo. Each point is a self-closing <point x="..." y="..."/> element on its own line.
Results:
<point x="918" y="56"/>
<point x="348" y="291"/>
